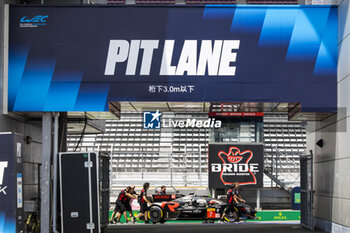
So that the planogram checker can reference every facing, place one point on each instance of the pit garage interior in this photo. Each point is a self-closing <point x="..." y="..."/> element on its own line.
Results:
<point x="178" y="156"/>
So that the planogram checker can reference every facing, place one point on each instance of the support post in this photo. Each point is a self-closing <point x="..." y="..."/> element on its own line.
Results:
<point x="45" y="173"/>
<point x="276" y="166"/>
<point x="171" y="166"/>
<point x="143" y="163"/>
<point x="258" y="199"/>
<point x="55" y="175"/>
<point x="4" y="41"/>
<point x="185" y="165"/>
<point x="312" y="191"/>
<point x="200" y="165"/>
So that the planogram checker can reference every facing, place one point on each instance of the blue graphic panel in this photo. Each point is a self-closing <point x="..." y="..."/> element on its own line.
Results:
<point x="34" y="86"/>
<point x="17" y="61"/>
<point x="326" y="62"/>
<point x="8" y="195"/>
<point x="94" y="94"/>
<point x="63" y="91"/>
<point x="248" y="20"/>
<point x="7" y="223"/>
<point x="219" y="12"/>
<point x="213" y="53"/>
<point x="276" y="22"/>
<point x="307" y="32"/>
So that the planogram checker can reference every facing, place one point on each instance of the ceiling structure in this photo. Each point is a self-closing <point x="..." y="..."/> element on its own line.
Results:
<point x="293" y="109"/>
<point x="95" y="120"/>
<point x="165" y="106"/>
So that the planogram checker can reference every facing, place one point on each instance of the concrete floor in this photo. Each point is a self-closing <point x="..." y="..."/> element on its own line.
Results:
<point x="208" y="228"/>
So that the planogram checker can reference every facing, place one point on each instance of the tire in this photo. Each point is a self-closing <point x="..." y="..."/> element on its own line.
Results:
<point x="231" y="216"/>
<point x="155" y="214"/>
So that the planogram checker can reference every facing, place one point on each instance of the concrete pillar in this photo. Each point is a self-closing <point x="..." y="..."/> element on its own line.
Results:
<point x="1" y="49"/>
<point x="3" y="56"/>
<point x="258" y="207"/>
<point x="45" y="173"/>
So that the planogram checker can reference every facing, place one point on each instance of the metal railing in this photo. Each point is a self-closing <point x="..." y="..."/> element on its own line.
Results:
<point x="180" y="168"/>
<point x="282" y="166"/>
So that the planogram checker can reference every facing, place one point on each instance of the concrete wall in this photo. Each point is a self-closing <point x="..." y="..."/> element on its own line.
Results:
<point x="332" y="162"/>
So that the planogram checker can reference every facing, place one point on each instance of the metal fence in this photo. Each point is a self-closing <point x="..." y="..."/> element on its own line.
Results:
<point x="307" y="192"/>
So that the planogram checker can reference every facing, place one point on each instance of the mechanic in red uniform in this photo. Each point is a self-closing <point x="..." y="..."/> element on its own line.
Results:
<point x="238" y="198"/>
<point x="233" y="198"/>
<point x="143" y="201"/>
<point x="162" y="190"/>
<point x="127" y="204"/>
<point x="120" y="204"/>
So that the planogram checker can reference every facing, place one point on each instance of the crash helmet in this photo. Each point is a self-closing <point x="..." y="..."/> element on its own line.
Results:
<point x="201" y="202"/>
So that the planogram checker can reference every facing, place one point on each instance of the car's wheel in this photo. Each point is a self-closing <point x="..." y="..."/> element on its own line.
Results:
<point x="155" y="214"/>
<point x="231" y="216"/>
<point x="253" y="214"/>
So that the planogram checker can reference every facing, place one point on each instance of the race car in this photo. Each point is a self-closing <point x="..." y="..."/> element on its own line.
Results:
<point x="210" y="209"/>
<point x="160" y="213"/>
<point x="163" y="208"/>
<point x="194" y="207"/>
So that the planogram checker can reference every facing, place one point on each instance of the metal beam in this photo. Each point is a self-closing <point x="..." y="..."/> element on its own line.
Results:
<point x="240" y="107"/>
<point x="45" y="173"/>
<point x="167" y="104"/>
<point x="133" y="107"/>
<point x="274" y="108"/>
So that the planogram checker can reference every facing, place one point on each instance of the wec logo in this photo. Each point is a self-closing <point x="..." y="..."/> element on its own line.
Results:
<point x="35" y="19"/>
<point x="3" y="165"/>
<point x="34" y="22"/>
<point x="236" y="164"/>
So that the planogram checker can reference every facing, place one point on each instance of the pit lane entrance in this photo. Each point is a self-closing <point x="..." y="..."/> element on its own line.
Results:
<point x="265" y="61"/>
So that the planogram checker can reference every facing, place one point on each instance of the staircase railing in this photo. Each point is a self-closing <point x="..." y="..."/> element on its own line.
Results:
<point x="279" y="164"/>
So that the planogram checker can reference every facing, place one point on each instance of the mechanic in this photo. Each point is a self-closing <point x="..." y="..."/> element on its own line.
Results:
<point x="143" y="202"/>
<point x="238" y="198"/>
<point x="233" y="198"/>
<point x="120" y="205"/>
<point x="162" y="190"/>
<point x="127" y="204"/>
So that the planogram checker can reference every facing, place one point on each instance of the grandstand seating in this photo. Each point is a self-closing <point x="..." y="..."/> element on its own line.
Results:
<point x="139" y="154"/>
